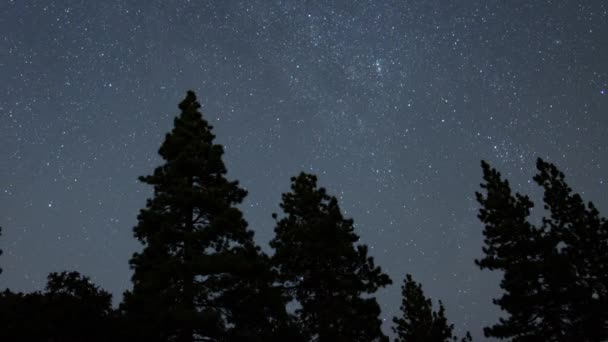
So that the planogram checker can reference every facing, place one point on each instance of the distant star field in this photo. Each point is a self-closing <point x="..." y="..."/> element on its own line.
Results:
<point x="391" y="103"/>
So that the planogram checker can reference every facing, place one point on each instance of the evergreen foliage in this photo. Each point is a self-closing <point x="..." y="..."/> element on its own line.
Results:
<point x="555" y="275"/>
<point x="199" y="276"/>
<point x="329" y="277"/>
<point x="419" y="322"/>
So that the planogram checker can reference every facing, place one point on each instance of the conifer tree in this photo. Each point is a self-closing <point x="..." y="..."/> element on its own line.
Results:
<point x="514" y="246"/>
<point x="419" y="322"/>
<point x="322" y="269"/>
<point x="578" y="238"/>
<point x="199" y="276"/>
<point x="554" y="276"/>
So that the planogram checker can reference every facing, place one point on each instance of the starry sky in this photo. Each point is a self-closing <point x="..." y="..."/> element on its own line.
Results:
<point x="391" y="103"/>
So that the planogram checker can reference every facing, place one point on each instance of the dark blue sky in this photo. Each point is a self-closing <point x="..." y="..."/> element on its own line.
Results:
<point x="391" y="103"/>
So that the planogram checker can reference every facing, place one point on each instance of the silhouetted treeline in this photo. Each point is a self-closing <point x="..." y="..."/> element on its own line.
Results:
<point x="70" y="309"/>
<point x="555" y="275"/>
<point x="201" y="277"/>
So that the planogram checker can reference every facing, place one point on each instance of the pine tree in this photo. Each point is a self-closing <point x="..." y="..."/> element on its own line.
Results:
<point x="199" y="276"/>
<point x="512" y="245"/>
<point x="322" y="269"/>
<point x="554" y="276"/>
<point x="419" y="322"/>
<point x="579" y="240"/>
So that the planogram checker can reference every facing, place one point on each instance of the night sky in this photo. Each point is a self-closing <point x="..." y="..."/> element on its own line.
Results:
<point x="391" y="103"/>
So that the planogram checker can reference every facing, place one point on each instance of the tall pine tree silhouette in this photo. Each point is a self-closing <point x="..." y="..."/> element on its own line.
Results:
<point x="555" y="275"/>
<point x="419" y="322"/>
<point x="199" y="276"/>
<point x="321" y="268"/>
<point x="577" y="240"/>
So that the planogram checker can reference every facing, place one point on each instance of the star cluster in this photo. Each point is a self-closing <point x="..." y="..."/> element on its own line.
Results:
<point x="391" y="103"/>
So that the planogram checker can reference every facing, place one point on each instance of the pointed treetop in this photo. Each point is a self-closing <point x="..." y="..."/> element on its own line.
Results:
<point x="190" y="102"/>
<point x="419" y="322"/>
